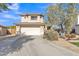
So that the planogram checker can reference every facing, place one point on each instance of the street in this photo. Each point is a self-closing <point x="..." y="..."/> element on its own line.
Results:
<point x="32" y="46"/>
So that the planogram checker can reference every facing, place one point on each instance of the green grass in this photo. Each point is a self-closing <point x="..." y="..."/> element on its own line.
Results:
<point x="75" y="43"/>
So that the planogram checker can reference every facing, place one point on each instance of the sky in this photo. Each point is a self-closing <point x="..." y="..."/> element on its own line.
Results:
<point x="12" y="16"/>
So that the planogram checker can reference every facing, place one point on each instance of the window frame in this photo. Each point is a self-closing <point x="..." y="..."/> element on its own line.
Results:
<point x="35" y="18"/>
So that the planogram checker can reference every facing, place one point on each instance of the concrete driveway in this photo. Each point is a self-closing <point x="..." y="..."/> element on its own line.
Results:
<point x="32" y="46"/>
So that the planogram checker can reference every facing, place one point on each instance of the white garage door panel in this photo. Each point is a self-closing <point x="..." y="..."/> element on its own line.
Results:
<point x="31" y="31"/>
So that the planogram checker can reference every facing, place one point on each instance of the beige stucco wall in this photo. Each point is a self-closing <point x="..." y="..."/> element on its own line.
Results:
<point x="28" y="19"/>
<point x="3" y="31"/>
<point x="11" y="31"/>
<point x="23" y="19"/>
<point x="18" y="29"/>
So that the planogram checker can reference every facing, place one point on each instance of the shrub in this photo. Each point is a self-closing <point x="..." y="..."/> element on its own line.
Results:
<point x="73" y="35"/>
<point x="67" y="35"/>
<point x="70" y="35"/>
<point x="52" y="35"/>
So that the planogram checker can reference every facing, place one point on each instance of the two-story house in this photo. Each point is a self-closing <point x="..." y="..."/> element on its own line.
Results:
<point x="31" y="24"/>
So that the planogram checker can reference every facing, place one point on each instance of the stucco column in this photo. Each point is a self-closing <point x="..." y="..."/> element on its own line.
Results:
<point x="18" y="29"/>
<point x="41" y="17"/>
<point x="29" y="18"/>
<point x="38" y="18"/>
<point x="22" y="19"/>
<point x="42" y="30"/>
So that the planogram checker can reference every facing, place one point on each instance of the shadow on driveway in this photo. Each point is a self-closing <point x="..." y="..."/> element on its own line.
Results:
<point x="10" y="45"/>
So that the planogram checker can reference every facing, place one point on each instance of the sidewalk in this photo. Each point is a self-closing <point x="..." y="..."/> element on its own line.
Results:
<point x="73" y="40"/>
<point x="67" y="45"/>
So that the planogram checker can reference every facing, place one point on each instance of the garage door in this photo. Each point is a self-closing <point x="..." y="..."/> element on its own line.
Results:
<point x="32" y="30"/>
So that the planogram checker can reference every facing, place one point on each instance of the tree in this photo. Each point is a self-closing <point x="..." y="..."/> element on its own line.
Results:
<point x="3" y="6"/>
<point x="71" y="17"/>
<point x="53" y="14"/>
<point x="56" y="16"/>
<point x="65" y="17"/>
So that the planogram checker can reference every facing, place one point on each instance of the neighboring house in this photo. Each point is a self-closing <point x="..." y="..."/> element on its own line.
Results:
<point x="11" y="30"/>
<point x="31" y="24"/>
<point x="77" y="26"/>
<point x="3" y="30"/>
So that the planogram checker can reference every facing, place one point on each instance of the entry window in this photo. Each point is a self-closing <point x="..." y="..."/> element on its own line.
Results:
<point x="33" y="17"/>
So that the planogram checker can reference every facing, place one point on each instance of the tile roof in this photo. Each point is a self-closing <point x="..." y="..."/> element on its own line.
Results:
<point x="30" y="24"/>
<point x="31" y="15"/>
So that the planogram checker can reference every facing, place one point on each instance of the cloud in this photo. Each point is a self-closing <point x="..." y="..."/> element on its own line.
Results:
<point x="18" y="12"/>
<point x="2" y="20"/>
<point x="14" y="6"/>
<point x="5" y="11"/>
<point x="9" y="16"/>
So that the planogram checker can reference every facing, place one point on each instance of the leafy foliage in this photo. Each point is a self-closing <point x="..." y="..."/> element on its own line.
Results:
<point x="53" y="14"/>
<point x="3" y="6"/>
<point x="71" y="17"/>
<point x="11" y="27"/>
<point x="63" y="16"/>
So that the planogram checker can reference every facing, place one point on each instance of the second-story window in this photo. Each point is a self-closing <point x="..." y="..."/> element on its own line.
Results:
<point x="33" y="17"/>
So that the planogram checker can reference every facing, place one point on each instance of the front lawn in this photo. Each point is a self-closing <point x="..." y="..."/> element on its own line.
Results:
<point x="75" y="43"/>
